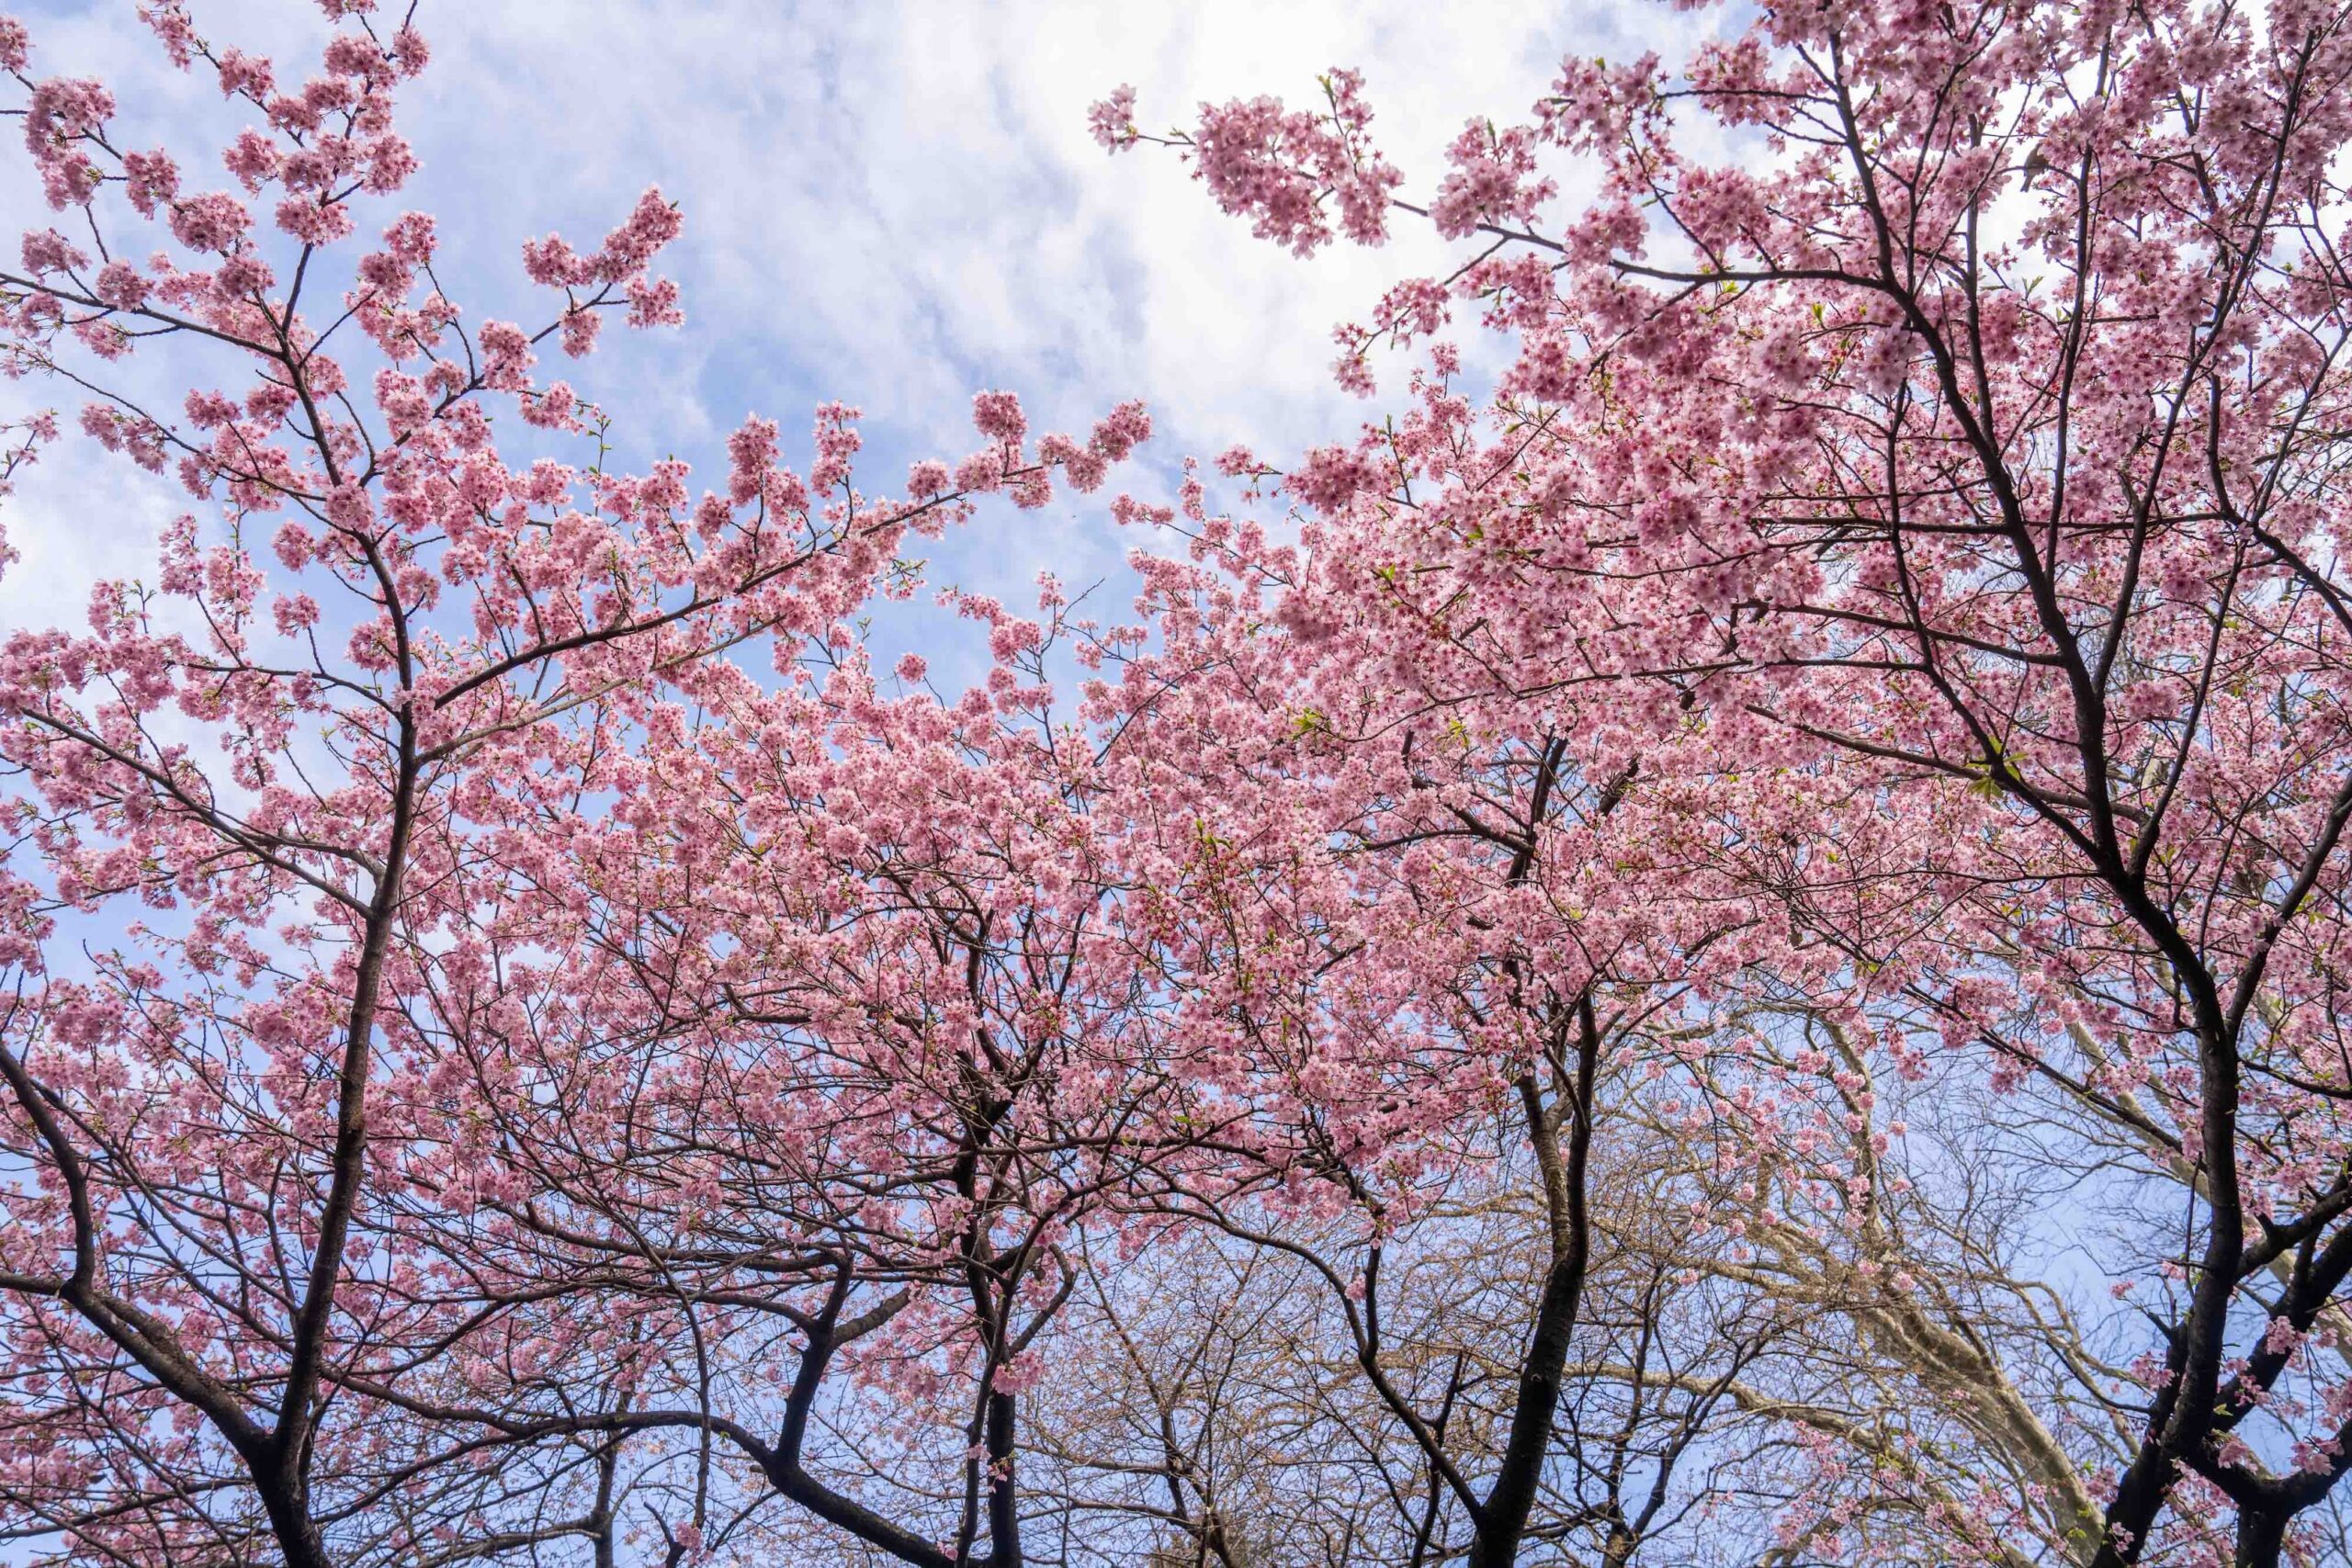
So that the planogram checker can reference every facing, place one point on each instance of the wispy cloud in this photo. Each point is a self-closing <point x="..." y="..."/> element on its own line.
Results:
<point x="893" y="205"/>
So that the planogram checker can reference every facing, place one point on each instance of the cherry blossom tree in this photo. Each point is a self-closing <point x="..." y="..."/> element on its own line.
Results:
<point x="888" y="1051"/>
<point x="271" y="825"/>
<point x="1957" y="452"/>
<point x="1717" y="938"/>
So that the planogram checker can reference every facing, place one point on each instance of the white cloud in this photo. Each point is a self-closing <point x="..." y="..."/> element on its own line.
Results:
<point x="894" y="205"/>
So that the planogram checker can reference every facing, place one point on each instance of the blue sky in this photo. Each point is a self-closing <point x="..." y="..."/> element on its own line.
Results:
<point x="894" y="205"/>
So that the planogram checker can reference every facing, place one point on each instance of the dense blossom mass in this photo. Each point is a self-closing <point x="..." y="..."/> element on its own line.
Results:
<point x="1719" y="938"/>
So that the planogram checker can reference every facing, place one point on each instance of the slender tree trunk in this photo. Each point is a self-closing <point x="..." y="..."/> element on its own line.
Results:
<point x="1004" y="1498"/>
<point x="1502" y="1522"/>
<point x="1513" y="1495"/>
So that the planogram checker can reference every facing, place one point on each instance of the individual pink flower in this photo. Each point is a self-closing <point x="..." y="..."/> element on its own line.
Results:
<point x="580" y="329"/>
<point x="120" y="284"/>
<point x="1111" y="122"/>
<point x="928" y="480"/>
<point x="245" y="75"/>
<point x="150" y="180"/>
<point x="213" y="222"/>
<point x="653" y="302"/>
<point x="313" y="222"/>
<point x="998" y="416"/>
<point x="506" y="357"/>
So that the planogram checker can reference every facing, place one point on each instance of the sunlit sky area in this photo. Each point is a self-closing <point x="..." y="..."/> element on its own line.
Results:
<point x="891" y="205"/>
